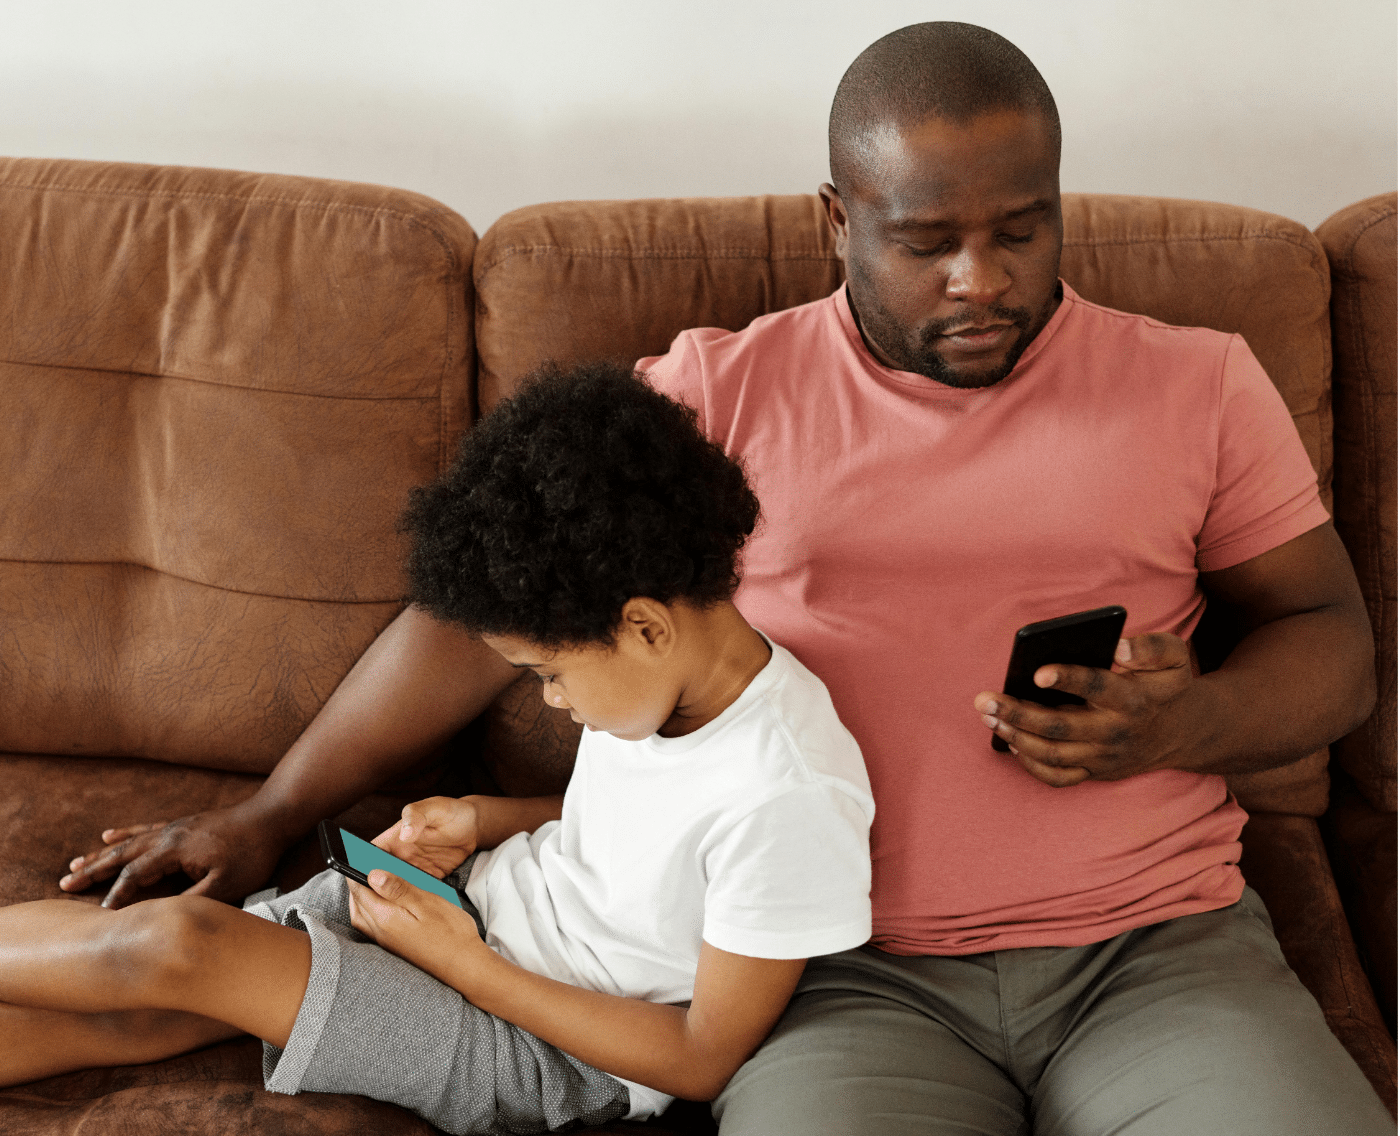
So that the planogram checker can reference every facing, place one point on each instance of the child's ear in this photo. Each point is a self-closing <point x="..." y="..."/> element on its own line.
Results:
<point x="651" y="624"/>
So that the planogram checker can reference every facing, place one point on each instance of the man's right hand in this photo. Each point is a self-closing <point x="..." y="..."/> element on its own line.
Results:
<point x="224" y="851"/>
<point x="435" y="834"/>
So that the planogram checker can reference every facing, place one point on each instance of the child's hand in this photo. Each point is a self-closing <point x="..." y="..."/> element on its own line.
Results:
<point x="419" y="927"/>
<point x="436" y="834"/>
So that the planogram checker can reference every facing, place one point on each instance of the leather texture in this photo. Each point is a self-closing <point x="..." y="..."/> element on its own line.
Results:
<point x="1361" y="842"/>
<point x="215" y="391"/>
<point x="622" y="278"/>
<point x="215" y="388"/>
<point x="52" y="806"/>
<point x="1361" y="248"/>
<point x="1285" y="861"/>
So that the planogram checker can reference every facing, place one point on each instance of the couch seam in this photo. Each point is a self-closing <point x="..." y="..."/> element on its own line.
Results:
<point x="192" y="580"/>
<point x="1248" y="235"/>
<point x="656" y="254"/>
<point x="223" y="386"/>
<point x="725" y="253"/>
<point x="261" y="199"/>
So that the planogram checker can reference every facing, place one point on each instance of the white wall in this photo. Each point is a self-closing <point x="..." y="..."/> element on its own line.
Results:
<point x="1285" y="105"/>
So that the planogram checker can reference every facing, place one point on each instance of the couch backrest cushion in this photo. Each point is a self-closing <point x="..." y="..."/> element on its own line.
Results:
<point x="621" y="278"/>
<point x="1361" y="248"/>
<point x="215" y="391"/>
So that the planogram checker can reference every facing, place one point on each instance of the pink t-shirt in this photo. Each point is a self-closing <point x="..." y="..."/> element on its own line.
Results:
<point x="908" y="530"/>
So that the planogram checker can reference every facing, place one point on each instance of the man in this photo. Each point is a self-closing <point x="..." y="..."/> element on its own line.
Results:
<point x="951" y="446"/>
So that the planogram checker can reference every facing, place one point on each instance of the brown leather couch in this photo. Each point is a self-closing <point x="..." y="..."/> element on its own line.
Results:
<point x="215" y="389"/>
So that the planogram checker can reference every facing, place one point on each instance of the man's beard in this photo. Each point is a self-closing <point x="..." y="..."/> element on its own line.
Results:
<point x="922" y="359"/>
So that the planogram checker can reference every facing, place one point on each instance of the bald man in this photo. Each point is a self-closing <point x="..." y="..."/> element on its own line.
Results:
<point x="953" y="445"/>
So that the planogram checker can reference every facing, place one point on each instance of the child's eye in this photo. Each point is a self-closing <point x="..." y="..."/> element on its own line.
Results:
<point x="546" y="679"/>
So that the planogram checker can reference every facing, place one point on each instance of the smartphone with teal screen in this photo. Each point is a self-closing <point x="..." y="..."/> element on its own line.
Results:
<point x="356" y="858"/>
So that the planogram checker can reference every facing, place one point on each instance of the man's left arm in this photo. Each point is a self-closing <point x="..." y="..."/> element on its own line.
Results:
<point x="1302" y="676"/>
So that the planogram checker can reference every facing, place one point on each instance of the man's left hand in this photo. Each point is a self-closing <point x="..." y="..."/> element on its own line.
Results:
<point x="409" y="922"/>
<point x="1133" y="720"/>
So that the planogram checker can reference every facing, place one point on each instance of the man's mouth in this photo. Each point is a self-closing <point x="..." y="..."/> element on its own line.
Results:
<point x="975" y="328"/>
<point x="977" y="335"/>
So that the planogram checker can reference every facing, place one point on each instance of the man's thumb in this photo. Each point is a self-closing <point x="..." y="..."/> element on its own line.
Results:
<point x="1156" y="651"/>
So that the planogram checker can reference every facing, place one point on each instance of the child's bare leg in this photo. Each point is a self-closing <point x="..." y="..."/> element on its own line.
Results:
<point x="186" y="953"/>
<point x="43" y="1043"/>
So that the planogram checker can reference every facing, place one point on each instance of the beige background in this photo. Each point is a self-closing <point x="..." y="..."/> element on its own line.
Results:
<point x="1287" y="106"/>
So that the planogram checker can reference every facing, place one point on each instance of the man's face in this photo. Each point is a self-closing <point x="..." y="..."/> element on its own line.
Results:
<point x="951" y="236"/>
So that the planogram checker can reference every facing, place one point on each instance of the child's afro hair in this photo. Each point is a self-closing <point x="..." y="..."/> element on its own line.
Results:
<point x="584" y="490"/>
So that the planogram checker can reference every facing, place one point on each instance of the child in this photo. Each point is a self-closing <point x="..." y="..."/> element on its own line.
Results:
<point x="632" y="941"/>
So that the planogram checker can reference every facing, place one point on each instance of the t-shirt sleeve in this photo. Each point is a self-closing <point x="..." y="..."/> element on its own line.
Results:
<point x="1265" y="488"/>
<point x="680" y="373"/>
<point x="791" y="879"/>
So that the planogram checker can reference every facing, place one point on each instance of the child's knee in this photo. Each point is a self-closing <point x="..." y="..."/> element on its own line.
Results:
<point x="164" y="943"/>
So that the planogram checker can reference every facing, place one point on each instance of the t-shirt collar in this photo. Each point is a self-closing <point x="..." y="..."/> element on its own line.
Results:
<point x="757" y="686"/>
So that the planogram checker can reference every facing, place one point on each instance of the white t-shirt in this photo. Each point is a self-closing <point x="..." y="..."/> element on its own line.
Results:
<point x="751" y="833"/>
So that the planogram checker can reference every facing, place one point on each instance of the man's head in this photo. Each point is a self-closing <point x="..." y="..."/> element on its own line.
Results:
<point x="582" y="513"/>
<point x="945" y="149"/>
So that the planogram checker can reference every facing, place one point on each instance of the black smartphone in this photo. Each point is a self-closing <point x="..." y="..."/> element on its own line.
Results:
<point x="1086" y="639"/>
<point x="356" y="858"/>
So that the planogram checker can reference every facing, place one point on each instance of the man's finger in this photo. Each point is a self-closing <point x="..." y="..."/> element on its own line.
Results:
<point x="117" y="835"/>
<point x="1095" y="686"/>
<point x="1156" y="651"/>
<point x="1058" y="724"/>
<point x="98" y="866"/>
<point x="1055" y="776"/>
<point x="1051" y="754"/>
<point x="141" y="872"/>
<point x="202" y="887"/>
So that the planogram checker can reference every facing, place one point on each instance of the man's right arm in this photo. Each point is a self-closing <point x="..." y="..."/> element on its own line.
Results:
<point x="418" y="683"/>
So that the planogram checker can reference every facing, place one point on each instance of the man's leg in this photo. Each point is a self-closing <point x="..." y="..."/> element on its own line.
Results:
<point x="185" y="954"/>
<point x="861" y="1051"/>
<point x="1198" y="1025"/>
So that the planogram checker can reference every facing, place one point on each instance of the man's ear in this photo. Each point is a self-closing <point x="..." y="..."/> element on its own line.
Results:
<point x="650" y="624"/>
<point x="835" y="210"/>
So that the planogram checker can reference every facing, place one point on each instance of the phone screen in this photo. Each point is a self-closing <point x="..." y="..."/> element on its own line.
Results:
<point x="365" y="857"/>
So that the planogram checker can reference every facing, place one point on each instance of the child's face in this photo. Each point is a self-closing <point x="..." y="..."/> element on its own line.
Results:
<point x="620" y="690"/>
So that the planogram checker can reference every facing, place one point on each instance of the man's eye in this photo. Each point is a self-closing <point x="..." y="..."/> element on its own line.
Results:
<point x="918" y="250"/>
<point x="1018" y="238"/>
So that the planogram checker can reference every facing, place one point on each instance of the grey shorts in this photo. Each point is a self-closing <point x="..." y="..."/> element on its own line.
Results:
<point x="375" y="1025"/>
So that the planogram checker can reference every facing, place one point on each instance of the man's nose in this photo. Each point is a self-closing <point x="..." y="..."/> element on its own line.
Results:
<point x="977" y="276"/>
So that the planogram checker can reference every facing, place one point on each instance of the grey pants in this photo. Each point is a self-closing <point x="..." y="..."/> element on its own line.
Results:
<point x="375" y="1025"/>
<point x="1192" y="1027"/>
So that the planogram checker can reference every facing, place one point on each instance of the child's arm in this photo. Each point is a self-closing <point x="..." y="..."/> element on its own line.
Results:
<point x="438" y="833"/>
<point x="688" y="1053"/>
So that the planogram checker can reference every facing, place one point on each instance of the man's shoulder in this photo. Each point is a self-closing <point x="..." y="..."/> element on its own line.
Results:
<point x="771" y="338"/>
<point x="1103" y="328"/>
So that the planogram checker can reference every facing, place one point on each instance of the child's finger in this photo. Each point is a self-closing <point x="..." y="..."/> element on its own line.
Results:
<point x="388" y="886"/>
<point x="411" y="826"/>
